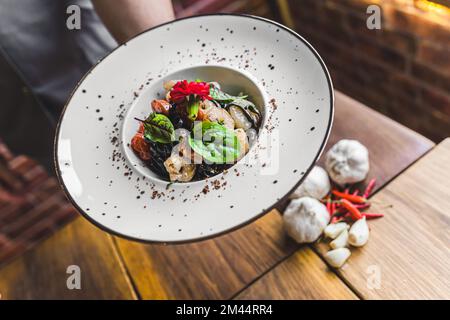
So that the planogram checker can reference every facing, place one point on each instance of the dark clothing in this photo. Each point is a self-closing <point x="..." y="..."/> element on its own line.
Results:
<point x="41" y="61"/>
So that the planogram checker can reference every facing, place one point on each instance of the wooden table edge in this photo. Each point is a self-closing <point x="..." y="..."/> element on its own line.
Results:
<point x="125" y="271"/>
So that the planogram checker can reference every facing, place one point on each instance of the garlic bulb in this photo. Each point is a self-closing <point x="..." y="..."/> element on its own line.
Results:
<point x="347" y="162"/>
<point x="316" y="185"/>
<point x="305" y="219"/>
<point x="340" y="241"/>
<point x="337" y="257"/>
<point x="334" y="229"/>
<point x="359" y="233"/>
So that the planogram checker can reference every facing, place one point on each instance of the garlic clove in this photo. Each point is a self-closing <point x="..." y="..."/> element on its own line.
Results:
<point x="337" y="257"/>
<point x="340" y="241"/>
<point x="305" y="218"/>
<point x="334" y="229"/>
<point x="359" y="233"/>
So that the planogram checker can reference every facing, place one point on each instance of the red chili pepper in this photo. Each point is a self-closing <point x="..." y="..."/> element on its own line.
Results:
<point x="369" y="188"/>
<point x="363" y="206"/>
<point x="344" y="212"/>
<point x="336" y="219"/>
<point x="329" y="206"/>
<point x="347" y="215"/>
<point x="354" y="212"/>
<point x="333" y="207"/>
<point x="340" y="213"/>
<point x="372" y="215"/>
<point x="349" y="197"/>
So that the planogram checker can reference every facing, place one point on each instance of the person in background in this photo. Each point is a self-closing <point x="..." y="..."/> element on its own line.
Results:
<point x="42" y="60"/>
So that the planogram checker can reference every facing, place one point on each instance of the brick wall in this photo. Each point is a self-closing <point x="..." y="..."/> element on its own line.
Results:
<point x="402" y="70"/>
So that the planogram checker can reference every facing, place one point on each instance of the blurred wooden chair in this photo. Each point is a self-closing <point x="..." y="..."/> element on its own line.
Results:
<point x="32" y="204"/>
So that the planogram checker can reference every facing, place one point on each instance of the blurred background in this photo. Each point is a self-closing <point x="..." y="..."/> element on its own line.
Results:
<point x="402" y="70"/>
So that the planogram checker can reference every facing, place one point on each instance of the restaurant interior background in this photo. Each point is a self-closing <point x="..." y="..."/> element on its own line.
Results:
<point x="401" y="70"/>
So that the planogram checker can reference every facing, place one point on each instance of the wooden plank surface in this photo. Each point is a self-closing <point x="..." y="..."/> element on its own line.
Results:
<point x="221" y="267"/>
<point x="41" y="273"/>
<point x="410" y="246"/>
<point x="311" y="279"/>
<point x="392" y="148"/>
<point x="218" y="268"/>
<point x="211" y="269"/>
<point x="408" y="254"/>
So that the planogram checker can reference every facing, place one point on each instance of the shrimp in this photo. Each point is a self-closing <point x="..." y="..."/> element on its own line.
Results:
<point x="183" y="148"/>
<point x="243" y="142"/>
<point x="168" y="85"/>
<point x="179" y="169"/>
<point x="252" y="136"/>
<point x="216" y="114"/>
<point x="239" y="117"/>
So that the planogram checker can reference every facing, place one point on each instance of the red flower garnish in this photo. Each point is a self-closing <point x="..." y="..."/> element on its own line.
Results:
<point x="140" y="146"/>
<point x="183" y="89"/>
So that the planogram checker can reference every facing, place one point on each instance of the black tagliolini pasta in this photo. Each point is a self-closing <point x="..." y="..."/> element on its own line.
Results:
<point x="159" y="152"/>
<point x="209" y="128"/>
<point x="207" y="170"/>
<point x="177" y="118"/>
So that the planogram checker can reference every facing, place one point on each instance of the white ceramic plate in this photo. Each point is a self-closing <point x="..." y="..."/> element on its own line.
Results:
<point x="110" y="186"/>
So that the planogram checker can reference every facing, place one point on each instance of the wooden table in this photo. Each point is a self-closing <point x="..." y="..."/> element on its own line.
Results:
<point x="259" y="261"/>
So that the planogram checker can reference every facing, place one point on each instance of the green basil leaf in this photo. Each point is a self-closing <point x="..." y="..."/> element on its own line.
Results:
<point x="221" y="96"/>
<point x="192" y="109"/>
<point x="214" y="142"/>
<point x="159" y="128"/>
